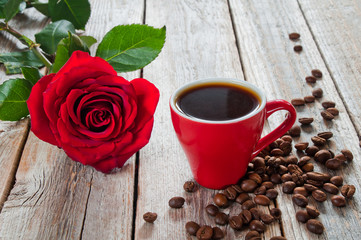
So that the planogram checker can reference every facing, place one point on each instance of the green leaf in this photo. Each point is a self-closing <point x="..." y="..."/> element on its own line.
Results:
<point x="41" y="7"/>
<point x="88" y="40"/>
<point x="31" y="74"/>
<point x="65" y="48"/>
<point x="131" y="47"/>
<point x="11" y="8"/>
<point x="75" y="11"/>
<point x="13" y="96"/>
<point x="15" y="60"/>
<point x="51" y="35"/>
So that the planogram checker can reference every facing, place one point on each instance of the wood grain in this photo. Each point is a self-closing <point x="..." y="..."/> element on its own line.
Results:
<point x="269" y="61"/>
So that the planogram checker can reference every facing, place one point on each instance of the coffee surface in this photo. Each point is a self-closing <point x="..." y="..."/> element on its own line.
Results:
<point x="217" y="102"/>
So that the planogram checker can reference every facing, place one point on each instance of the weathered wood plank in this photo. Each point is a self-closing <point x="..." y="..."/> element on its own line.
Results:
<point x="200" y="43"/>
<point x="262" y="29"/>
<point x="335" y="26"/>
<point x="13" y="134"/>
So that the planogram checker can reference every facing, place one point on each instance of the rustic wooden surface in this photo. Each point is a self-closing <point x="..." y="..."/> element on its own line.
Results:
<point x="53" y="197"/>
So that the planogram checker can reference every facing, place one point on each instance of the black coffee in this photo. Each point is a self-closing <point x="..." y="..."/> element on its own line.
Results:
<point x="217" y="101"/>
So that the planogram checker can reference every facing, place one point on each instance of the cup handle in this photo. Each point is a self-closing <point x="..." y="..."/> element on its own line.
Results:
<point x="272" y="107"/>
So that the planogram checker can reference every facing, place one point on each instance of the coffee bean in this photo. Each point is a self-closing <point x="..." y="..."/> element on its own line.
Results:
<point x="341" y="158"/>
<point x="189" y="186"/>
<point x="278" y="238"/>
<point x="322" y="156"/>
<point x="314" y="183"/>
<point x="276" y="213"/>
<point x="257" y="226"/>
<point x="338" y="201"/>
<point x="297" y="48"/>
<point x="217" y="233"/>
<point x="248" y="185"/>
<point x="212" y="210"/>
<point x="300" y="190"/>
<point x="305" y="121"/>
<point x="255" y="177"/>
<point x="236" y="222"/>
<point x="315" y="226"/>
<point x="268" y="185"/>
<point x="317" y="93"/>
<point x="248" y="205"/>
<point x="272" y="193"/>
<point x="287" y="138"/>
<point x="348" y="154"/>
<point x="311" y="151"/>
<point x="230" y="193"/>
<point x="256" y="213"/>
<point x="286" y="177"/>
<point x="318" y="141"/>
<point x="267" y="218"/>
<point x="333" y="111"/>
<point x="150" y="217"/>
<point x="205" y="232"/>
<point x="258" y="163"/>
<point x="317" y="176"/>
<point x="294" y="36"/>
<point x="327" y="115"/>
<point x="242" y="197"/>
<point x="176" y="202"/>
<point x="293" y="168"/>
<point x="310" y="187"/>
<point x="282" y="170"/>
<point x="251" y="235"/>
<point x="328" y="104"/>
<point x="337" y="180"/>
<point x="348" y="190"/>
<point x="333" y="164"/>
<point x="308" y="167"/>
<point x="237" y="188"/>
<point x="319" y="196"/>
<point x="275" y="178"/>
<point x="277" y="152"/>
<point x="295" y="131"/>
<point x="260" y="190"/>
<point x="311" y="79"/>
<point x="330" y="188"/>
<point x="309" y="99"/>
<point x="298" y="102"/>
<point x="262" y="200"/>
<point x="192" y="228"/>
<point x="220" y="200"/>
<point x="246" y="216"/>
<point x="312" y="211"/>
<point x="301" y="146"/>
<point x="221" y="218"/>
<point x="300" y="200"/>
<point x="316" y="73"/>
<point x="302" y="216"/>
<point x="287" y="187"/>
<point x="303" y="160"/>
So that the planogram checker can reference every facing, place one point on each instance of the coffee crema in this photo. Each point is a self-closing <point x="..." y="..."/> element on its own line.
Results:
<point x="217" y="101"/>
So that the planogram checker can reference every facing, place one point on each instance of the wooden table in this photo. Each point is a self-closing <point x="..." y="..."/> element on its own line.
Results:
<point x="45" y="195"/>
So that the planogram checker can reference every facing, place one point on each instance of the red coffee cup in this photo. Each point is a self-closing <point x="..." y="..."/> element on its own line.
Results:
<point x="218" y="152"/>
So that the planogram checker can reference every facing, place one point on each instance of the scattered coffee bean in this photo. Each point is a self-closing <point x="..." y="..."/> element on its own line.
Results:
<point x="303" y="160"/>
<point x="257" y="226"/>
<point x="252" y="235"/>
<point x="255" y="177"/>
<point x="297" y="48"/>
<point x="236" y="222"/>
<point x="221" y="218"/>
<point x="317" y="176"/>
<point x="267" y="218"/>
<point x="217" y="233"/>
<point x="277" y="152"/>
<point x="275" y="178"/>
<point x="286" y="177"/>
<point x="311" y="79"/>
<point x="192" y="228"/>
<point x="268" y="185"/>
<point x="292" y="160"/>
<point x="176" y="202"/>
<point x="322" y="156"/>
<point x="301" y="146"/>
<point x="318" y="141"/>
<point x="300" y="200"/>
<point x="327" y="115"/>
<point x="337" y="180"/>
<point x="298" y="102"/>
<point x="305" y="121"/>
<point x="294" y="36"/>
<point x="150" y="217"/>
<point x="341" y="158"/>
<point x="316" y="73"/>
<point x="242" y="197"/>
<point x="330" y="188"/>
<point x="246" y="216"/>
<point x="278" y="238"/>
<point x="302" y="216"/>
<point x="237" y="188"/>
<point x="333" y="111"/>
<point x="205" y="233"/>
<point x="310" y="187"/>
<point x="333" y="164"/>
<point x="248" y="185"/>
<point x="328" y="104"/>
<point x="300" y="190"/>
<point x="338" y="201"/>
<point x="308" y="167"/>
<point x="260" y="190"/>
<point x="256" y="213"/>
<point x="189" y="186"/>
<point x="309" y="99"/>
<point x="314" y="183"/>
<point x="212" y="210"/>
<point x="319" y="196"/>
<point x="230" y="193"/>
<point x="262" y="200"/>
<point x="272" y="194"/>
<point x="248" y="205"/>
<point x="295" y="131"/>
<point x="220" y="200"/>
<point x="287" y="187"/>
<point x="325" y="135"/>
<point x="317" y="93"/>
<point x="348" y="190"/>
<point x="312" y="150"/>
<point x="276" y="213"/>
<point x="312" y="211"/>
<point x="315" y="226"/>
<point x="287" y="138"/>
<point x="348" y="154"/>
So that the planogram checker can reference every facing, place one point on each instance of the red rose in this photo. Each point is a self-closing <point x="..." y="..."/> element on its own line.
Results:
<point x="97" y="117"/>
